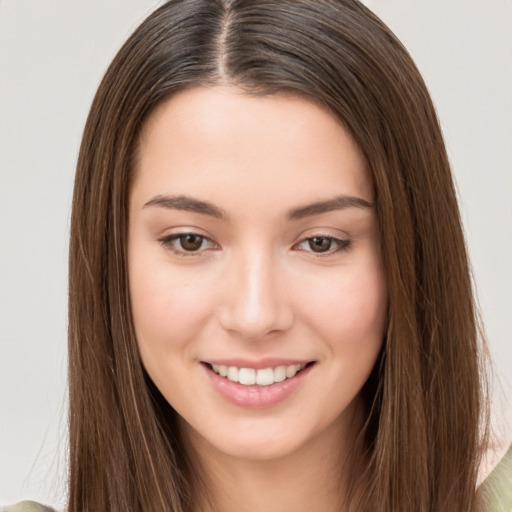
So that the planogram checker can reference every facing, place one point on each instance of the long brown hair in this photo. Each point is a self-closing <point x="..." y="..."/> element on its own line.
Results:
<point x="423" y="431"/>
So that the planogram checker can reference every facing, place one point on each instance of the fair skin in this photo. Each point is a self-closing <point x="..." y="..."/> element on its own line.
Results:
<point x="230" y="265"/>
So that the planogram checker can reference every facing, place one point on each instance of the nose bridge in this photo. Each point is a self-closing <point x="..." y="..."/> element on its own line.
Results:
<point x="256" y="304"/>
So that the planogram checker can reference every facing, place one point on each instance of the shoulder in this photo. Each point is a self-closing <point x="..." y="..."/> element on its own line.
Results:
<point x="496" y="491"/>
<point x="27" y="506"/>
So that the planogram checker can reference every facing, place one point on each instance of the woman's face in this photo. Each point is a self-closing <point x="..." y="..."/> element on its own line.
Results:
<point x="254" y="256"/>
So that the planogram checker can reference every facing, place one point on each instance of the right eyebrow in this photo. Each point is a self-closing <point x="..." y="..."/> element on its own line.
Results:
<point x="188" y="204"/>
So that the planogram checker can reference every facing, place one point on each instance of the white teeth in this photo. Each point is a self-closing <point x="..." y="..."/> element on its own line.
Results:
<point x="262" y="377"/>
<point x="233" y="373"/>
<point x="247" y="376"/>
<point x="292" y="370"/>
<point x="280" y="373"/>
<point x="265" y="377"/>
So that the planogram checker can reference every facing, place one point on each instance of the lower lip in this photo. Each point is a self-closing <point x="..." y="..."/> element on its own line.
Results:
<point x="256" y="397"/>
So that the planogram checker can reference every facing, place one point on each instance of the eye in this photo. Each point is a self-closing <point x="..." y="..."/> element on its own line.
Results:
<point x="182" y="243"/>
<point x="323" y="244"/>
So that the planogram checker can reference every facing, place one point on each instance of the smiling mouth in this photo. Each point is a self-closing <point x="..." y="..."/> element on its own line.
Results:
<point x="259" y="377"/>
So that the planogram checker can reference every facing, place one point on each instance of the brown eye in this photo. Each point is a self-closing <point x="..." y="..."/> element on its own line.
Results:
<point x="188" y="244"/>
<point x="320" y="244"/>
<point x="323" y="245"/>
<point x="191" y="242"/>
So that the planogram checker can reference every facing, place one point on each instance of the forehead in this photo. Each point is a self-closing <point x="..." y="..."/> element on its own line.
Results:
<point x="223" y="141"/>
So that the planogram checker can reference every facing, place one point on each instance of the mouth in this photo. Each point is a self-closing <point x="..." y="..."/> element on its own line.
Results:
<point x="257" y="384"/>
<point x="263" y="377"/>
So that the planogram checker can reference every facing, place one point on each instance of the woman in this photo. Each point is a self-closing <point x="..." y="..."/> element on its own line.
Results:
<point x="263" y="188"/>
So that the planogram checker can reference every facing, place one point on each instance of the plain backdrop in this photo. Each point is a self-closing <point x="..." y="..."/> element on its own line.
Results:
<point x="52" y="56"/>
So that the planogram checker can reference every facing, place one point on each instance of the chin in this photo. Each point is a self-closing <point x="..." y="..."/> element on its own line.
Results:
<point x="263" y="448"/>
<point x="270" y="438"/>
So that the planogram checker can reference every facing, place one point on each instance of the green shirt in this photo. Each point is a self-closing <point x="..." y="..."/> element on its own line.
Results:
<point x="27" y="506"/>
<point x="496" y="491"/>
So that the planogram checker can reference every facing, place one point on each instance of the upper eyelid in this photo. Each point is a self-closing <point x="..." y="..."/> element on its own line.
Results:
<point x="183" y="230"/>
<point x="328" y="232"/>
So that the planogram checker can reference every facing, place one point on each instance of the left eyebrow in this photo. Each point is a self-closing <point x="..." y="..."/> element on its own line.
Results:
<point x="337" y="203"/>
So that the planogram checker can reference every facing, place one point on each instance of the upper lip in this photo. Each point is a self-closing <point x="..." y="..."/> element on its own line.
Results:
<point x="268" y="362"/>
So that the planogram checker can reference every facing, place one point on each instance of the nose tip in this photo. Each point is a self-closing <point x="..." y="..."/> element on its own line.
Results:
<point x="256" y="304"/>
<point x="254" y="319"/>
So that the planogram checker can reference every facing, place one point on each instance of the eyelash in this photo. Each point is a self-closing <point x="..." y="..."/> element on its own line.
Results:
<point x="168" y="243"/>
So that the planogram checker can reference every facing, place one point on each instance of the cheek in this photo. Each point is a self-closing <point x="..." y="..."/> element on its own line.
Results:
<point x="168" y="307"/>
<point x="350" y="311"/>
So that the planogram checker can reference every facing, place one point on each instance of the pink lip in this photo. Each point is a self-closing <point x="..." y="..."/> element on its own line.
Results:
<point x="256" y="397"/>
<point x="269" y="362"/>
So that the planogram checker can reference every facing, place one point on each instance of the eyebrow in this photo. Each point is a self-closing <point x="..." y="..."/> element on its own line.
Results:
<point x="189" y="204"/>
<point x="337" y="203"/>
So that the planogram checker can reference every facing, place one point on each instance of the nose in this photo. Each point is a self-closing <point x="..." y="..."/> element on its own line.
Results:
<point x="255" y="300"/>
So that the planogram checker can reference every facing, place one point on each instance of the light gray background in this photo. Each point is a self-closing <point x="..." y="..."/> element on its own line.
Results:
<point x="52" y="56"/>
